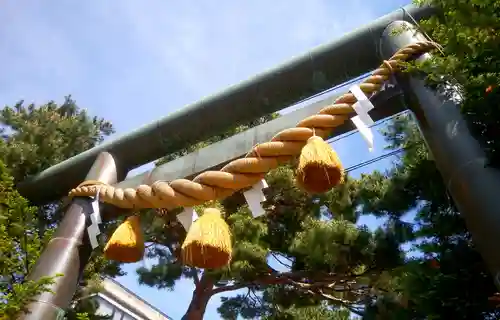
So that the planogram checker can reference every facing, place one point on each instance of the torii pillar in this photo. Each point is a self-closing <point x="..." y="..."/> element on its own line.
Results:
<point x="473" y="185"/>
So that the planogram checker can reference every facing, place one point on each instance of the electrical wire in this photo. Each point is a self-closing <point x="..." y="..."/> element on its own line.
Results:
<point x="376" y="124"/>
<point x="374" y="160"/>
<point x="332" y="89"/>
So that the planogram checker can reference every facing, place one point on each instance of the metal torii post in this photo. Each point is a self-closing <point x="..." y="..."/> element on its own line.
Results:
<point x="463" y="165"/>
<point x="69" y="250"/>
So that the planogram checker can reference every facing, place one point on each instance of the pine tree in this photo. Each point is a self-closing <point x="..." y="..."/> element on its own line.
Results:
<point x="469" y="33"/>
<point x="33" y="139"/>
<point x="20" y="246"/>
<point x="318" y="237"/>
<point x="448" y="279"/>
<point x="333" y="265"/>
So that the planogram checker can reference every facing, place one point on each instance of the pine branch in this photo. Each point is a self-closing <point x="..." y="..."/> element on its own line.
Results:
<point x="26" y="257"/>
<point x="248" y="294"/>
<point x="279" y="261"/>
<point x="230" y="287"/>
<point x="292" y="278"/>
<point x="196" y="278"/>
<point x="324" y="285"/>
<point x="206" y="284"/>
<point x="354" y="310"/>
<point x="332" y="298"/>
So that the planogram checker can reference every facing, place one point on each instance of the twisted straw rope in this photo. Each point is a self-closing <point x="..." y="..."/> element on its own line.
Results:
<point x="245" y="172"/>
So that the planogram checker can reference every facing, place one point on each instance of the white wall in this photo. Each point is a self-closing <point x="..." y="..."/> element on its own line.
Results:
<point x="116" y="297"/>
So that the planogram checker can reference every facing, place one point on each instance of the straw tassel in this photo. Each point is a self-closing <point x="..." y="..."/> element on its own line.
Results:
<point x="319" y="168"/>
<point x="127" y="242"/>
<point x="208" y="242"/>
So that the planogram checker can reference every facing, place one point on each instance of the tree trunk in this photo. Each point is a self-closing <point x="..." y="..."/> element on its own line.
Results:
<point x="201" y="295"/>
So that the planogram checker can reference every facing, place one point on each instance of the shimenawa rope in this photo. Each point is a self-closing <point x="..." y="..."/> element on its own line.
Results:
<point x="245" y="172"/>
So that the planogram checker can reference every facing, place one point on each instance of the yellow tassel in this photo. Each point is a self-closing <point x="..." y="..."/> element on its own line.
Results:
<point x="319" y="168"/>
<point x="208" y="242"/>
<point x="127" y="242"/>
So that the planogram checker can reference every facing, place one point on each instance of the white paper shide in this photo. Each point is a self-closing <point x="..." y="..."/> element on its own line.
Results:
<point x="187" y="217"/>
<point x="363" y="121"/>
<point x="255" y="197"/>
<point x="95" y="219"/>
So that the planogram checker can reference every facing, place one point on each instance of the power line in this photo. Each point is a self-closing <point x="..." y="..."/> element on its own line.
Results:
<point x="376" y="124"/>
<point x="332" y="89"/>
<point x="374" y="160"/>
<point x="343" y="136"/>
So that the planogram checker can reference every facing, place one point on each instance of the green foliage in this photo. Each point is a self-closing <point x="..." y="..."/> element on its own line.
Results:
<point x="320" y="245"/>
<point x="335" y="246"/>
<point x="469" y="32"/>
<point x="82" y="316"/>
<point x="332" y="264"/>
<point x="449" y="280"/>
<point x="19" y="295"/>
<point x="20" y="247"/>
<point x="33" y="139"/>
<point x="269" y="306"/>
<point x="85" y="310"/>
<point x="309" y="313"/>
<point x="317" y="238"/>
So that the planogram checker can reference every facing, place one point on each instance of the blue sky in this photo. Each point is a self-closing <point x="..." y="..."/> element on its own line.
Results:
<point x="132" y="62"/>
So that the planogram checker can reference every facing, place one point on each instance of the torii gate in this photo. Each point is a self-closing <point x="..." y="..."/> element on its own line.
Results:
<point x="457" y="154"/>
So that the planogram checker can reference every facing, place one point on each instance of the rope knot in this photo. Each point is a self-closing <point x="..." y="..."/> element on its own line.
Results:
<point x="387" y="64"/>
<point x="91" y="183"/>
